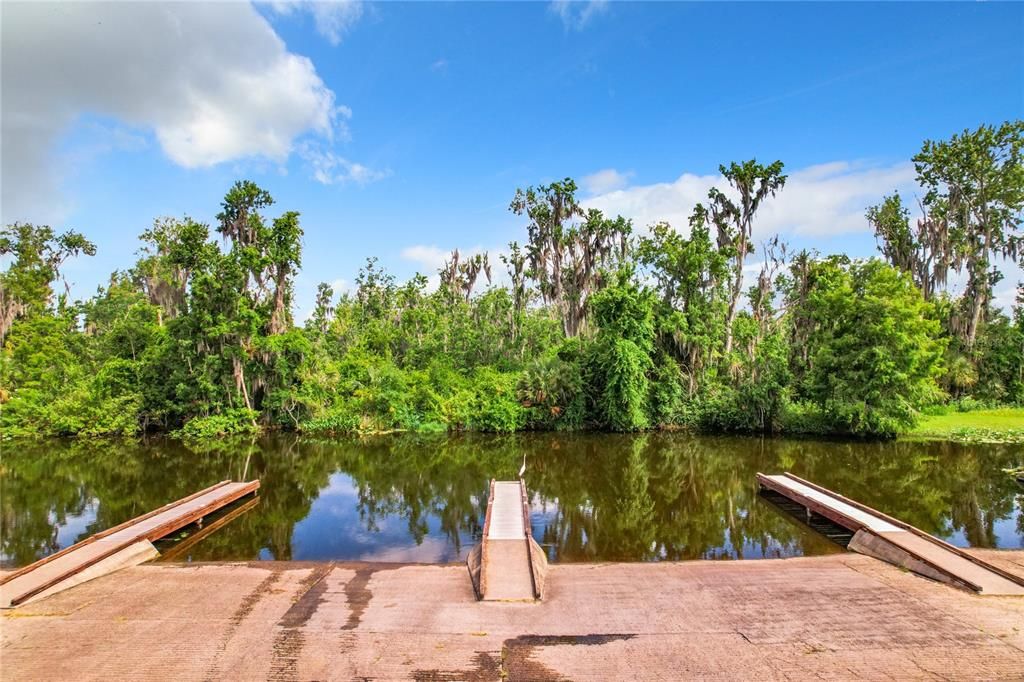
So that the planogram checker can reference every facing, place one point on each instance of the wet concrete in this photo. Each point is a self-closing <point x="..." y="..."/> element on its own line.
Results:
<point x="837" y="617"/>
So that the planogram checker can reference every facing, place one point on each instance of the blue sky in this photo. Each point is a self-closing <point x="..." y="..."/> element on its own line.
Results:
<point x="402" y="130"/>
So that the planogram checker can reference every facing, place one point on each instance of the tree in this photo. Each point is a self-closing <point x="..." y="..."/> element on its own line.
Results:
<point x="754" y="183"/>
<point x="458" y="277"/>
<point x="620" y="358"/>
<point x="923" y="251"/>
<point x="172" y="250"/>
<point x="874" y="347"/>
<point x="26" y="287"/>
<point x="691" y="276"/>
<point x="515" y="262"/>
<point x="975" y="186"/>
<point x="568" y="259"/>
<point x="284" y="257"/>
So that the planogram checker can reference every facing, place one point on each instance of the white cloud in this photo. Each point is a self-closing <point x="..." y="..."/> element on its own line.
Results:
<point x="439" y="65"/>
<point x="605" y="180"/>
<point x="341" y="286"/>
<point x="576" y="14"/>
<point x="333" y="18"/>
<point x="831" y="198"/>
<point x="429" y="258"/>
<point x="822" y="200"/>
<point x="649" y="204"/>
<point x="212" y="81"/>
<point x="329" y="168"/>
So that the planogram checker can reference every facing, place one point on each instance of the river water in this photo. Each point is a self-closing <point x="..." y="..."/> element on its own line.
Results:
<point x="595" y="497"/>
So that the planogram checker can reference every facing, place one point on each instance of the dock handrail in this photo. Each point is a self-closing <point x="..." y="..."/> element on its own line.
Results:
<point x="529" y="535"/>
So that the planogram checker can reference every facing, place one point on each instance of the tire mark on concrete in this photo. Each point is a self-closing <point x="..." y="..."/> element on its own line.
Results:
<point x="517" y="654"/>
<point x="243" y="611"/>
<point x="358" y="595"/>
<point x="290" y="639"/>
<point x="515" y="662"/>
<point x="487" y="669"/>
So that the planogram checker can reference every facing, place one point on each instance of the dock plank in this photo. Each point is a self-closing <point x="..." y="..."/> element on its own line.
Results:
<point x="58" y="567"/>
<point x="919" y="551"/>
<point x="507" y="568"/>
<point x="987" y="581"/>
<point x="507" y="512"/>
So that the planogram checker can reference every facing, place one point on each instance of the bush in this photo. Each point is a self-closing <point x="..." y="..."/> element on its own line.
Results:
<point x="803" y="417"/>
<point x="722" y="409"/>
<point x="228" y="423"/>
<point x="666" y="391"/>
<point x="494" y="404"/>
<point x="969" y="404"/>
<point x="340" y="419"/>
<point x="619" y="387"/>
<point x="551" y="391"/>
<point x="103" y="404"/>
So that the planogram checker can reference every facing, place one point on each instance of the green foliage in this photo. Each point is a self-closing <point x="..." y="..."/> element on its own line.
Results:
<point x="975" y="200"/>
<point x="667" y="391"/>
<point x="594" y="331"/>
<point x="874" y="350"/>
<point x="36" y="253"/>
<point x="229" y="423"/>
<point x="339" y="420"/>
<point x="619" y="360"/>
<point x="691" y="279"/>
<point x="494" y="405"/>
<point x="551" y="389"/>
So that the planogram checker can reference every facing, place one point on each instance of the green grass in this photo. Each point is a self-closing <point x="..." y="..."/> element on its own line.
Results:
<point x="1002" y="425"/>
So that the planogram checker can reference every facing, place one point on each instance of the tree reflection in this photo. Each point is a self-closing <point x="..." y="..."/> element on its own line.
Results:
<point x="595" y="496"/>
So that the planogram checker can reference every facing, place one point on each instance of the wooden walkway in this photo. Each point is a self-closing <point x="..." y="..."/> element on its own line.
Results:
<point x="130" y="541"/>
<point x="883" y="537"/>
<point x="507" y="565"/>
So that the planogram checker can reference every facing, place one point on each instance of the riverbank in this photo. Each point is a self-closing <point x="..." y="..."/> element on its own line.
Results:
<point x="1001" y="425"/>
<point x="846" y="616"/>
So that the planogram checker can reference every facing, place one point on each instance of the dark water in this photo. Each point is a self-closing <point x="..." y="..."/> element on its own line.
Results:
<point x="416" y="498"/>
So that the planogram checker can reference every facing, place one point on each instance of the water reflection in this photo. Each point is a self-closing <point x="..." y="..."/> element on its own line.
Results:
<point x="414" y="498"/>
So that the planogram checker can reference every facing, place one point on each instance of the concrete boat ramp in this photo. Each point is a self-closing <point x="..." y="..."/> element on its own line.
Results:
<point x="844" y="616"/>
<point x="838" y="617"/>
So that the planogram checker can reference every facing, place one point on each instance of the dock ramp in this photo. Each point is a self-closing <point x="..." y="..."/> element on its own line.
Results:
<point x="891" y="540"/>
<point x="124" y="545"/>
<point x="508" y="564"/>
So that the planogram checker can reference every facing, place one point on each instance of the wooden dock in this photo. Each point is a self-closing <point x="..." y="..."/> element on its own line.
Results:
<point x="123" y="545"/>
<point x="889" y="539"/>
<point x="507" y="565"/>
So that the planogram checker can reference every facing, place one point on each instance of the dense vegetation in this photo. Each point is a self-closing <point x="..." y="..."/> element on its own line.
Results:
<point x="597" y="327"/>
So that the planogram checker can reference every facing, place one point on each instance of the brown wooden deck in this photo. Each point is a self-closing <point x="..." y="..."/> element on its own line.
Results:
<point x="27" y="582"/>
<point x="889" y="539"/>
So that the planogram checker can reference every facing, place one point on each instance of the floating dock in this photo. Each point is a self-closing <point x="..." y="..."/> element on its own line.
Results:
<point x="883" y="537"/>
<point x="126" y="544"/>
<point x="508" y="564"/>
